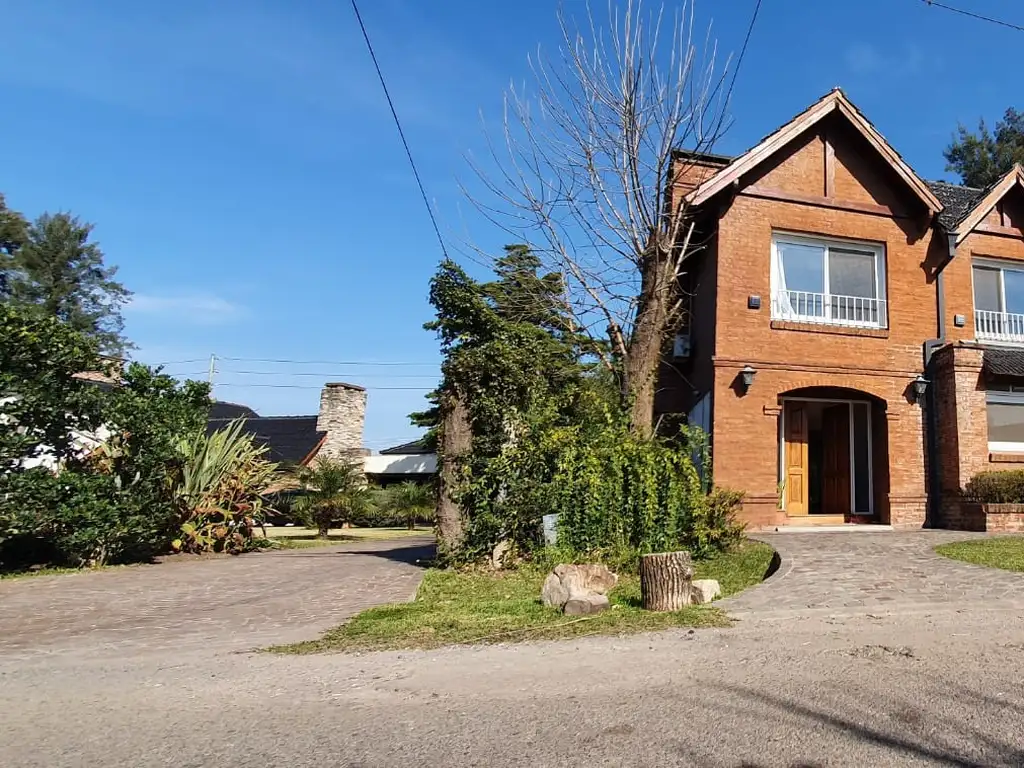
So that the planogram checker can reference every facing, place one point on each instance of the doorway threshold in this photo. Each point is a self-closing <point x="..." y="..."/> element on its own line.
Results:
<point x="827" y="528"/>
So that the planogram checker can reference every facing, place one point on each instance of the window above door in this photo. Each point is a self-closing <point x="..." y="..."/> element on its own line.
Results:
<point x="828" y="281"/>
<point x="998" y="301"/>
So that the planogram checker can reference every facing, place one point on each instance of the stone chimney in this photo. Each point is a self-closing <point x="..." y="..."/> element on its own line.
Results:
<point x="342" y="413"/>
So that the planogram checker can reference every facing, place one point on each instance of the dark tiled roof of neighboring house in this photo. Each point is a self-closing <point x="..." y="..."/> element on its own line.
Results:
<point x="957" y="201"/>
<point x="1003" y="362"/>
<point x="290" y="439"/>
<point x="223" y="410"/>
<point x="414" y="447"/>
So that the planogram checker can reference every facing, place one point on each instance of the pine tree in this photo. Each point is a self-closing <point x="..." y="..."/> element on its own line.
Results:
<point x="59" y="271"/>
<point x="983" y="157"/>
<point x="13" y="233"/>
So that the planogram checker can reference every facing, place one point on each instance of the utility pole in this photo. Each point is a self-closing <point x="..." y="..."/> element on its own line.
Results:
<point x="212" y="372"/>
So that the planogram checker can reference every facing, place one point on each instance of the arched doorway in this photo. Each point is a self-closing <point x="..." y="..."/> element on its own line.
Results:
<point x="833" y="454"/>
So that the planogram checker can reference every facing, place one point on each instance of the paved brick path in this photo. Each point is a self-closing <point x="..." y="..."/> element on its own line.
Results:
<point x="224" y="603"/>
<point x="873" y="573"/>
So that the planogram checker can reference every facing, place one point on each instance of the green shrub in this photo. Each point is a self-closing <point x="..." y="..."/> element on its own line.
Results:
<point x="616" y="494"/>
<point x="334" y="491"/>
<point x="998" y="487"/>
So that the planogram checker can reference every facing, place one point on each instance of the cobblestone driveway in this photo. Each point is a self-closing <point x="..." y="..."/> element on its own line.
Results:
<point x="225" y="603"/>
<point x="873" y="573"/>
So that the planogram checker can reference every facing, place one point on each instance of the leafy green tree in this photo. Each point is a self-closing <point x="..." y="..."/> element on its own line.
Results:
<point x="333" y="491"/>
<point x="86" y="478"/>
<point x="983" y="157"/>
<point x="510" y="359"/>
<point x="409" y="501"/>
<point x="59" y="271"/>
<point x="39" y="392"/>
<point x="13" y="233"/>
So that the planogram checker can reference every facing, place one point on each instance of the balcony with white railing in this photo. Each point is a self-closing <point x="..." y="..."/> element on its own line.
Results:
<point x="828" y="309"/>
<point x="1004" y="327"/>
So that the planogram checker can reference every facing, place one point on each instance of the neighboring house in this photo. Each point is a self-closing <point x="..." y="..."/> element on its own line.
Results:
<point x="854" y="341"/>
<point x="337" y="430"/>
<point x="413" y="461"/>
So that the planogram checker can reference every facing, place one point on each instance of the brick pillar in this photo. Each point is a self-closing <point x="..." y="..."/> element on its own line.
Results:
<point x="962" y="424"/>
<point x="908" y="492"/>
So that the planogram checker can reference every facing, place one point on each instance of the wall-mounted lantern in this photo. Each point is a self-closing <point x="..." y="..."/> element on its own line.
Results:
<point x="747" y="376"/>
<point x="920" y="387"/>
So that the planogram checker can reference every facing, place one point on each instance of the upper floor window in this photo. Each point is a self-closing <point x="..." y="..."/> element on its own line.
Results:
<point x="835" y="282"/>
<point x="999" y="301"/>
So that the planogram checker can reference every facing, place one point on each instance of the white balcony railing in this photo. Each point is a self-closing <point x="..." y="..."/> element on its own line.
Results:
<point x="826" y="309"/>
<point x="998" y="326"/>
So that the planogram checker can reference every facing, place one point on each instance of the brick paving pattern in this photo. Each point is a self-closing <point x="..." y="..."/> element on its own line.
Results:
<point x="224" y="603"/>
<point x="873" y="573"/>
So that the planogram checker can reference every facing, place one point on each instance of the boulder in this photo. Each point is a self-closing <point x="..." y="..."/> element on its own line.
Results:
<point x="586" y="604"/>
<point x="705" y="590"/>
<point x="569" y="582"/>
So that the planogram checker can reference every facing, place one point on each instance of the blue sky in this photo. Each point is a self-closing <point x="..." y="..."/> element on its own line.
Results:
<point x="243" y="171"/>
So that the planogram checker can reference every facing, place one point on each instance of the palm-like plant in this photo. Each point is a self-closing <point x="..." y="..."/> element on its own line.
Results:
<point x="220" y="489"/>
<point x="410" y="501"/>
<point x="334" y="491"/>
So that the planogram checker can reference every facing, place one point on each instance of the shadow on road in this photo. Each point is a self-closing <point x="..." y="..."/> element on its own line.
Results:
<point x="906" y="729"/>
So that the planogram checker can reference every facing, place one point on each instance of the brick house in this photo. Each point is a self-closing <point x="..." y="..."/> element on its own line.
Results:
<point x="848" y="343"/>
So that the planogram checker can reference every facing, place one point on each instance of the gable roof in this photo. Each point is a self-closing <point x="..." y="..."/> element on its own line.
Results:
<point x="222" y="410"/>
<point x="985" y="201"/>
<point x="415" y="447"/>
<point x="833" y="101"/>
<point x="292" y="439"/>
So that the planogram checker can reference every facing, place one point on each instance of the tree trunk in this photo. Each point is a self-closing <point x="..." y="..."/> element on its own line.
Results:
<point x="455" y="444"/>
<point x="647" y="342"/>
<point x="666" y="581"/>
<point x="323" y="531"/>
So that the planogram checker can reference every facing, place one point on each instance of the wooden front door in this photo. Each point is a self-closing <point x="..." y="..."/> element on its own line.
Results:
<point x="835" y="480"/>
<point x="795" y="458"/>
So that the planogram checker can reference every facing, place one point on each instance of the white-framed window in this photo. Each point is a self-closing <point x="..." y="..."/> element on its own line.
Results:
<point x="998" y="300"/>
<point x="828" y="281"/>
<point x="1005" y="412"/>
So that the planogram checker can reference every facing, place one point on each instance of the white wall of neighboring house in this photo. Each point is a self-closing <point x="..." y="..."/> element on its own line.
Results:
<point x="83" y="443"/>
<point x="401" y="464"/>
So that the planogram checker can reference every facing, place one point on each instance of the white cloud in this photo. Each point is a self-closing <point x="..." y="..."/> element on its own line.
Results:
<point x="866" y="59"/>
<point x="195" y="309"/>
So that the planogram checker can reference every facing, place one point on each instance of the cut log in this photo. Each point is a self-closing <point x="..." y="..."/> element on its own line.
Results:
<point x="665" y="581"/>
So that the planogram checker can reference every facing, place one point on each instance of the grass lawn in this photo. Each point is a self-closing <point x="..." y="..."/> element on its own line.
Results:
<point x="1006" y="552"/>
<point x="301" y="538"/>
<point x="483" y="607"/>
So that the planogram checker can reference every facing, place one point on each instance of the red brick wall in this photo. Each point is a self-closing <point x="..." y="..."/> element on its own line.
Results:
<point x="877" y="363"/>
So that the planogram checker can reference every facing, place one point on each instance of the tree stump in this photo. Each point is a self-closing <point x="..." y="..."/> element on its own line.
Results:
<point x="665" y="581"/>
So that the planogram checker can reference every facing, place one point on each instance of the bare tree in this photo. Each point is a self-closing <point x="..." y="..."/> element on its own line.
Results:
<point x="585" y="166"/>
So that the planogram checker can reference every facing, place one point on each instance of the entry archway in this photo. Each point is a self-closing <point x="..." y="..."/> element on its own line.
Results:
<point x="833" y="455"/>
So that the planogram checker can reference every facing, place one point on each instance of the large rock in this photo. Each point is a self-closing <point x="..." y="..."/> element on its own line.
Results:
<point x="577" y="582"/>
<point x="705" y="590"/>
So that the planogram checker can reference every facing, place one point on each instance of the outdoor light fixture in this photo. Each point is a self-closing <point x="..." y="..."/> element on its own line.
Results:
<point x="747" y="376"/>
<point x="920" y="385"/>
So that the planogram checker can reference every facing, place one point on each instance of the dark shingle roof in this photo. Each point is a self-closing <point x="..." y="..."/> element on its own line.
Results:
<point x="222" y="410"/>
<point x="957" y="201"/>
<point x="1003" y="362"/>
<point x="288" y="438"/>
<point x="414" y="447"/>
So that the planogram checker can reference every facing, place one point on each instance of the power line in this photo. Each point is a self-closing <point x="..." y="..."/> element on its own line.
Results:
<point x="314" y="386"/>
<point x="401" y="133"/>
<point x="320" y="362"/>
<point x="974" y="15"/>
<point x="323" y="374"/>
<point x="743" y="50"/>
